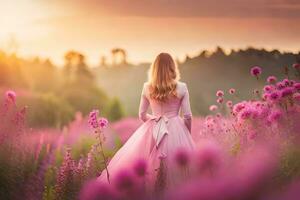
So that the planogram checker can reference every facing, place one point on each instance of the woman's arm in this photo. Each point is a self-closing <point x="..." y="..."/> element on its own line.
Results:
<point x="144" y="104"/>
<point x="186" y="109"/>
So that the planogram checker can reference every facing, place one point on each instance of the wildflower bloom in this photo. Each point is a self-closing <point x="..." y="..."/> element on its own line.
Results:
<point x="256" y="91"/>
<point x="124" y="180"/>
<point x="280" y="85"/>
<point x="296" y="97"/>
<point x="296" y="66"/>
<point x="93" y="119"/>
<point x="229" y="104"/>
<point x="140" y="167"/>
<point x="297" y="86"/>
<point x="255" y="71"/>
<point x="209" y="157"/>
<point x="213" y="107"/>
<point x="231" y="91"/>
<point x="182" y="158"/>
<point x="220" y="93"/>
<point x="220" y="100"/>
<point x="10" y="96"/>
<point x="274" y="116"/>
<point x="271" y="79"/>
<point x="103" y="122"/>
<point x="268" y="88"/>
<point x="274" y="96"/>
<point x="286" y="81"/>
<point x="287" y="91"/>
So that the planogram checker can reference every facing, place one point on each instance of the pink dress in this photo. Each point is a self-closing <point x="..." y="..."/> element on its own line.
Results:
<point x="158" y="138"/>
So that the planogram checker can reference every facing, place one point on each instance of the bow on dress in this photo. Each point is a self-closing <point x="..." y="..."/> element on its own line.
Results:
<point x="159" y="128"/>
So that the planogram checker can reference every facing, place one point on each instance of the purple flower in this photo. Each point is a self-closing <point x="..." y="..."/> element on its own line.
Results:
<point x="297" y="86"/>
<point x="182" y="158"/>
<point x="296" y="97"/>
<point x="286" y="82"/>
<point x="124" y="180"/>
<point x="140" y="167"/>
<point x="274" y="116"/>
<point x="287" y="91"/>
<point x="271" y="79"/>
<point x="209" y="157"/>
<point x="103" y="122"/>
<point x="94" y="189"/>
<point x="280" y="85"/>
<point x="231" y="91"/>
<point x="93" y="119"/>
<point x="238" y="107"/>
<point x="220" y="93"/>
<point x="11" y="96"/>
<point x="274" y="96"/>
<point x="255" y="71"/>
<point x="251" y="135"/>
<point x="268" y="88"/>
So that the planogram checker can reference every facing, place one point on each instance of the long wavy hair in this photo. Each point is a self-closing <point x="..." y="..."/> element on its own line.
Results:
<point x="163" y="76"/>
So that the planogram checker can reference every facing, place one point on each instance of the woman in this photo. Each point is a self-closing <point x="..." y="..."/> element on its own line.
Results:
<point x="164" y="131"/>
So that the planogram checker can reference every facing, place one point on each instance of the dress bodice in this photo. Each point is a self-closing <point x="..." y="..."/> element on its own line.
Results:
<point x="169" y="108"/>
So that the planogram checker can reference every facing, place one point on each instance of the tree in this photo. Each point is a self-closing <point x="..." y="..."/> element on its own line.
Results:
<point x="119" y="56"/>
<point x="115" y="111"/>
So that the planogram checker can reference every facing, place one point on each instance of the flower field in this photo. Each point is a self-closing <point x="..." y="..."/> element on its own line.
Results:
<point x="246" y="149"/>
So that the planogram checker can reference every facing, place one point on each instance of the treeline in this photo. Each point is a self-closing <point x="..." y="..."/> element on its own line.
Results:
<point x="205" y="74"/>
<point x="53" y="94"/>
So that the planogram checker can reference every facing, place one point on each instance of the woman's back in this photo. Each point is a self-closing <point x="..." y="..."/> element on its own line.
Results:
<point x="169" y="108"/>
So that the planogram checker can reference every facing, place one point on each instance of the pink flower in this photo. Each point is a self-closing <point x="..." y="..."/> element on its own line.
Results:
<point x="94" y="189"/>
<point x="287" y="91"/>
<point x="286" y="82"/>
<point x="296" y="66"/>
<point x="268" y="88"/>
<point x="238" y="107"/>
<point x="229" y="104"/>
<point x="256" y="91"/>
<point x="220" y="93"/>
<point x="182" y="158"/>
<point x="255" y="71"/>
<point x="296" y="97"/>
<point x="220" y="100"/>
<point x="11" y="96"/>
<point x="251" y="135"/>
<point x="274" y="96"/>
<point x="209" y="157"/>
<point x="124" y="180"/>
<point x="103" y="122"/>
<point x="231" y="91"/>
<point x="213" y="107"/>
<point x="280" y="85"/>
<point x="93" y="119"/>
<point x="297" y="86"/>
<point x="140" y="167"/>
<point x="274" y="116"/>
<point x="271" y="79"/>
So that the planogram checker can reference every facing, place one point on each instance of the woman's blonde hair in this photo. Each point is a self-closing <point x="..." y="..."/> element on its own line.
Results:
<point x="163" y="76"/>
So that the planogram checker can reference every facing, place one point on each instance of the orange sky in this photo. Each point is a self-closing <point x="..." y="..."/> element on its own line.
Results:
<point x="144" y="28"/>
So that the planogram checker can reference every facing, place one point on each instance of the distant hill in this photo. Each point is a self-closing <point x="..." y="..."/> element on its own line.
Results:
<point x="204" y="74"/>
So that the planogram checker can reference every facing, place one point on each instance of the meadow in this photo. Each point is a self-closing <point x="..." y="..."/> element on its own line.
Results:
<point x="246" y="149"/>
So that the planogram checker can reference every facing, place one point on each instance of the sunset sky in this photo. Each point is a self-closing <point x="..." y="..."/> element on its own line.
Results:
<point x="49" y="28"/>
